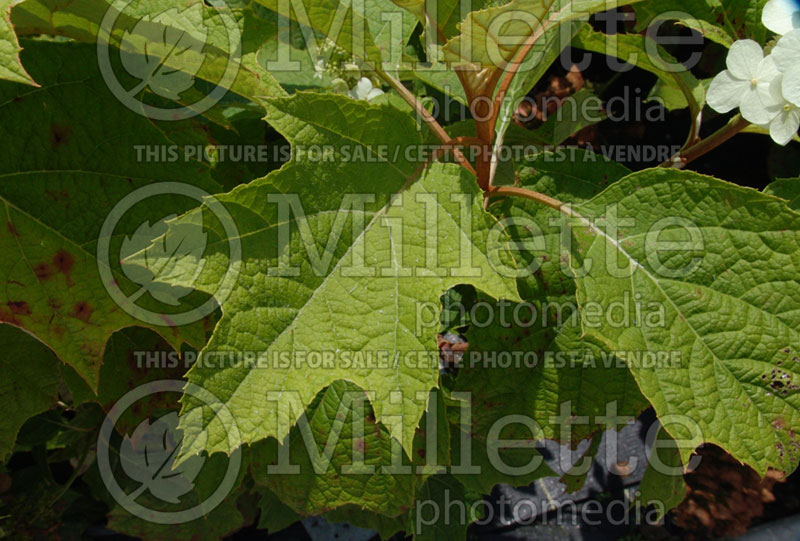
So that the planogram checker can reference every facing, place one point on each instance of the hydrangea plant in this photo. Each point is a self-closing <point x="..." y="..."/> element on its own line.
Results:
<point x="253" y="270"/>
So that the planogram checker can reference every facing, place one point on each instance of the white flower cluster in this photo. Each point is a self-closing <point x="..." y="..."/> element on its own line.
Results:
<point x="363" y="89"/>
<point x="346" y="71"/>
<point x="766" y="89"/>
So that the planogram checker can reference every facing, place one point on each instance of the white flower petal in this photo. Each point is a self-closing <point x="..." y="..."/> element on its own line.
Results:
<point x="775" y="90"/>
<point x="364" y="84"/>
<point x="787" y="52"/>
<point x="768" y="75"/>
<point x="790" y="85"/>
<point x="767" y="69"/>
<point x="725" y="92"/>
<point x="362" y="88"/>
<point x="781" y="16"/>
<point x="785" y="126"/>
<point x="754" y="110"/>
<point x="774" y="101"/>
<point x="744" y="58"/>
<point x="374" y="93"/>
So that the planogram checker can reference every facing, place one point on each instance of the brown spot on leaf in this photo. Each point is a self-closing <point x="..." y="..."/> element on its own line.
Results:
<point x="43" y="271"/>
<point x="19" y="307"/>
<point x="82" y="311"/>
<point x="7" y="316"/>
<point x="57" y="195"/>
<point x="59" y="135"/>
<point x="64" y="261"/>
<point x="91" y="350"/>
<point x="12" y="229"/>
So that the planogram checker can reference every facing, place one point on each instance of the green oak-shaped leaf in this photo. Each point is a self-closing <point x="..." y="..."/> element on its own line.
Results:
<point x="724" y="264"/>
<point x="663" y="481"/>
<point x="224" y="519"/>
<point x="341" y="456"/>
<point x="324" y="272"/>
<point x="66" y="167"/>
<point x="645" y="53"/>
<point x="556" y="369"/>
<point x="338" y="459"/>
<point x="373" y="30"/>
<point x="537" y="346"/>
<point x="786" y="188"/>
<point x="443" y="509"/>
<point x="493" y="36"/>
<point x="11" y="68"/>
<point x="205" y="53"/>
<point x="274" y="514"/>
<point x="29" y="385"/>
<point x="708" y="17"/>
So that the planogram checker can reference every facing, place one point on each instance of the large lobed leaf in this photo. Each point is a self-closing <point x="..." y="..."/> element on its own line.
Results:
<point x="61" y="177"/>
<point x="730" y="290"/>
<point x="364" y="299"/>
<point x="198" y="41"/>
